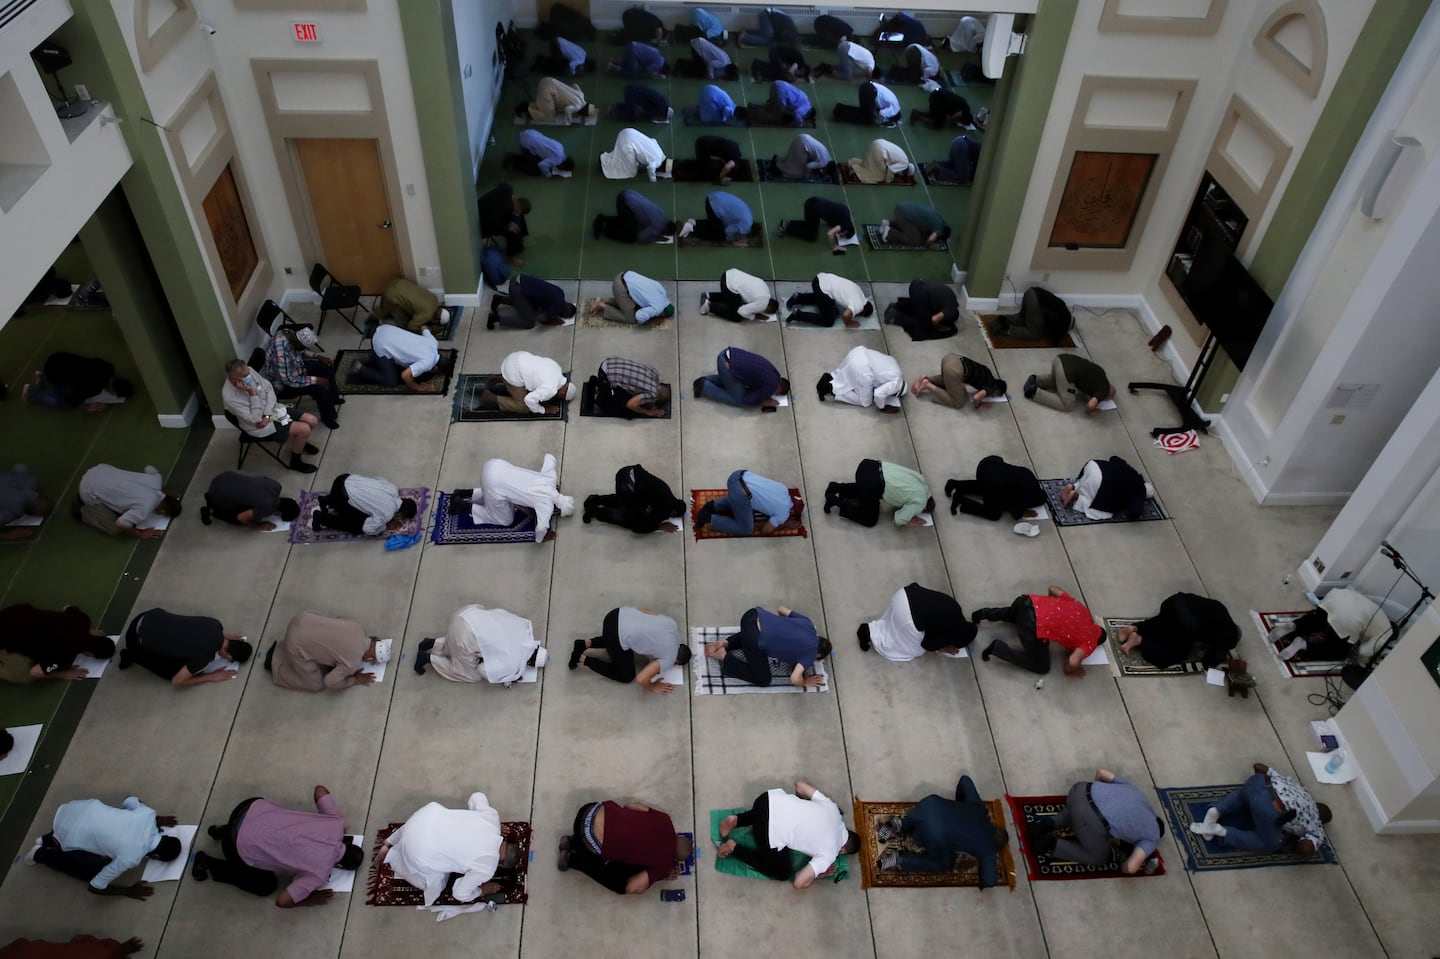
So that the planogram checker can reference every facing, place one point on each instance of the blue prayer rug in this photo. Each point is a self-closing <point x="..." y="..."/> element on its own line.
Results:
<point x="457" y="529"/>
<point x="1186" y="804"/>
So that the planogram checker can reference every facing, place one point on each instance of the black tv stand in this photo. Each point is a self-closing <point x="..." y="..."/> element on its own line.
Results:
<point x="1184" y="396"/>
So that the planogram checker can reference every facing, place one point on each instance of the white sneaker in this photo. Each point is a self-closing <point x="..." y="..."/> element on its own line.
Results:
<point x="1027" y="529"/>
<point x="665" y="241"/>
<point x="885" y="230"/>
<point x="564" y="174"/>
<point x="687" y="229"/>
<point x="30" y="856"/>
<point x="704" y="303"/>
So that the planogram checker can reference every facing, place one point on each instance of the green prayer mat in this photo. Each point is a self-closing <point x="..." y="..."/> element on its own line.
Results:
<point x="742" y="835"/>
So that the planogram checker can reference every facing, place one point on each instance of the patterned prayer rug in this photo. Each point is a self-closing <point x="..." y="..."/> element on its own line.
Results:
<point x="869" y="816"/>
<point x="709" y="681"/>
<point x="345" y="358"/>
<point x="927" y="173"/>
<point x="1026" y="810"/>
<point x="848" y="177"/>
<point x="588" y="407"/>
<point x="455" y="313"/>
<point x="1068" y="517"/>
<point x="595" y="321"/>
<point x="1294" y="668"/>
<point x="691" y="116"/>
<point x="1186" y="804"/>
<point x="467" y="392"/>
<point x="754" y="240"/>
<point x="696" y="171"/>
<point x="383" y="889"/>
<point x="457" y="529"/>
<point x="999" y="341"/>
<point x="1132" y="663"/>
<point x="699" y="497"/>
<point x="770" y="174"/>
<point x="742" y="835"/>
<point x="304" y="533"/>
<point x="872" y="233"/>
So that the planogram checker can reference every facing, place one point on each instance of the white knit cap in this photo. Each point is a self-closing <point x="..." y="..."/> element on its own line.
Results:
<point x="382" y="650"/>
<point x="570" y="391"/>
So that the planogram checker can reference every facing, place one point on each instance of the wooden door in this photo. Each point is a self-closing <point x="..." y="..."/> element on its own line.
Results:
<point x="351" y="207"/>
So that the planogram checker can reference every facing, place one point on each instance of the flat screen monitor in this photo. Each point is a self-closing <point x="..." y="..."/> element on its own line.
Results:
<point x="1225" y="297"/>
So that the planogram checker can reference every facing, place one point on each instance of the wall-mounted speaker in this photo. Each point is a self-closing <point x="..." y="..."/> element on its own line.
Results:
<point x="1390" y="174"/>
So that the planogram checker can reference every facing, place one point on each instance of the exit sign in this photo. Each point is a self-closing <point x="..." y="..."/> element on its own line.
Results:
<point x="306" y="32"/>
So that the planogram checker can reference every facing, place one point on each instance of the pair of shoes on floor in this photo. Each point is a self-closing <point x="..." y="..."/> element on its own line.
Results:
<point x="889" y="829"/>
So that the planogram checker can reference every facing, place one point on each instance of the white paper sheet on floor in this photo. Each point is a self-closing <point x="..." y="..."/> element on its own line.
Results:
<point x="157" y="871"/>
<point x="20" y="754"/>
<point x="343" y="880"/>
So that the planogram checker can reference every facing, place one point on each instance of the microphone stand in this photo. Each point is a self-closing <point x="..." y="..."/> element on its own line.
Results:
<point x="1356" y="674"/>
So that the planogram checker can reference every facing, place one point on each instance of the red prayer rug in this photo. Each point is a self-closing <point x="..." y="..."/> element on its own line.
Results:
<point x="383" y="889"/>
<point x="1028" y="809"/>
<point x="699" y="497"/>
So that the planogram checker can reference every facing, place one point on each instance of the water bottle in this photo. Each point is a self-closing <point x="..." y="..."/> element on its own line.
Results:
<point x="1337" y="759"/>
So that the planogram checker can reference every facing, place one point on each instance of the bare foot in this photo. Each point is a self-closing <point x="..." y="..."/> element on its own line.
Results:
<point x="715" y="650"/>
<point x="598" y="308"/>
<point x="727" y="826"/>
<point x="726" y="848"/>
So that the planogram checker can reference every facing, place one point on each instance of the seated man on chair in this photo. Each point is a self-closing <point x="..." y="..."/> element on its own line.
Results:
<point x="642" y="502"/>
<point x="482" y="645"/>
<point x="1269" y="813"/>
<point x="293" y="367"/>
<point x="785" y="636"/>
<point x="626" y="849"/>
<point x="398" y="356"/>
<point x="626" y="631"/>
<point x="1105" y="488"/>
<point x="945" y="829"/>
<point x="98" y="843"/>
<point x="179" y="648"/>
<point x="748" y="496"/>
<point x="1041" y="619"/>
<point x="319" y="653"/>
<point x="437" y="844"/>
<point x="363" y="506"/>
<point x="246" y="499"/>
<point x="878" y="481"/>
<point x="504" y="487"/>
<point x="250" y="397"/>
<point x="866" y="377"/>
<point x="117" y="501"/>
<point x="629" y="388"/>
<point x="807" y="822"/>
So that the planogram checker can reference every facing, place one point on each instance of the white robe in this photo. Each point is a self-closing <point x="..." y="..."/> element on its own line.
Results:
<point x="633" y="152"/>
<point x="490" y="645"/>
<point x="504" y="486"/>
<point x="967" y="36"/>
<point x="868" y="376"/>
<point x="436" y="842"/>
<point x="895" y="635"/>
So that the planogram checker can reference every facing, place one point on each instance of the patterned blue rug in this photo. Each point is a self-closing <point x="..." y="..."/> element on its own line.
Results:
<point x="457" y="529"/>
<point x="1186" y="804"/>
<point x="1064" y="516"/>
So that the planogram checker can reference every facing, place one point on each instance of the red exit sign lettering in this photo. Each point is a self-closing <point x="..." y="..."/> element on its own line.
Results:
<point x="306" y="32"/>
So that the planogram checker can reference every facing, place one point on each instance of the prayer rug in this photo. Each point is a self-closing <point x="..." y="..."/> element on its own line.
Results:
<point x="588" y="407"/>
<point x="455" y="313"/>
<point x="457" y="529"/>
<point x="847" y="175"/>
<point x="872" y="233"/>
<point x="694" y="171"/>
<point x="691" y="116"/>
<point x="383" y="889"/>
<point x="1064" y="516"/>
<point x="769" y="173"/>
<point x="709" y="681"/>
<point x="999" y="341"/>
<point x="527" y="121"/>
<point x="869" y="816"/>
<point x="743" y="835"/>
<point x="687" y="866"/>
<point x="596" y="321"/>
<point x="467" y="392"/>
<point x="871" y="322"/>
<point x="1026" y="810"/>
<point x="928" y="175"/>
<point x="699" y="497"/>
<point x="304" y="533"/>
<point x="346" y="358"/>
<point x="1186" y="804"/>
<point x="1294" y="668"/>
<point x="1132" y="663"/>
<point x="754" y="240"/>
<point x="809" y="124"/>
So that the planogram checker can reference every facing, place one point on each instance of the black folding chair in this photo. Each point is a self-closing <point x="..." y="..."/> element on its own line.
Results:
<point x="336" y="296"/>
<point x="270" y="444"/>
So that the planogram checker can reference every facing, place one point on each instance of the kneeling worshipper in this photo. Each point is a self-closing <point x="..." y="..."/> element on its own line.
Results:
<point x="629" y="388"/>
<point x="878" y="481"/>
<point x="179" y="648"/>
<point x="807" y="821"/>
<point x="43" y="643"/>
<point x="882" y="163"/>
<point x="398" y="357"/>
<point x="714" y="106"/>
<point x="831" y="297"/>
<point x="1270" y="812"/>
<point x="626" y="849"/>
<point x="363" y="506"/>
<point x="916" y="224"/>
<point x="1107" y="487"/>
<point x="918" y="621"/>
<point x="642" y="503"/>
<point x="805" y="157"/>
<point x="749" y="496"/>
<point x="960" y="378"/>
<point x="263" y="840"/>
<point x="866" y="377"/>
<point x="1110" y="810"/>
<point x="117" y="501"/>
<point x="437" y="844"/>
<point x="482" y="645"/>
<point x="641" y="60"/>
<point x="784" y="635"/>
<point x="1054" y="617"/>
<point x="945" y="829"/>
<point x="634" y="151"/>
<point x="930" y="311"/>
<point x="634" y="298"/>
<point x="556" y="101"/>
<point x="998" y="487"/>
<point x="1186" y="625"/>
<point x="20" y="496"/>
<point x="728" y="219"/>
<point x="530" y="300"/>
<point x="98" y="844"/>
<point x="637" y="220"/>
<point x="320" y="652"/>
<point x="79" y="947"/>
<point x="1347" y="622"/>
<point x="528" y="383"/>
<point x="541" y="156"/>
<point x="246" y="499"/>
<point x="409" y="305"/>
<point x="629" y="630"/>
<point x="742" y="296"/>
<point x="1072" y="377"/>
<point x="743" y="378"/>
<point x="504" y="486"/>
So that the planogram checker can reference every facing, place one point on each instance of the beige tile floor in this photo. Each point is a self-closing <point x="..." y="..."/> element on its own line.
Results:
<point x="887" y="731"/>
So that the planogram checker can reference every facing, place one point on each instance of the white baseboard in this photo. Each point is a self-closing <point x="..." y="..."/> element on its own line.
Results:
<point x="1370" y="803"/>
<point x="1307" y="499"/>
<point x="467" y="300"/>
<point x="183" y="419"/>
<point x="1250" y="473"/>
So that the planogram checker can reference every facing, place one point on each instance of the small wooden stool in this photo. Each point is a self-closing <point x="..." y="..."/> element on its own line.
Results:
<point x="1238" y="678"/>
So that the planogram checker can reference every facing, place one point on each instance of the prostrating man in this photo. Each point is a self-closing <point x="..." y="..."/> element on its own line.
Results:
<point x="1041" y="619"/>
<point x="98" y="843"/>
<point x="707" y="61"/>
<point x="20" y="496"/>
<point x="555" y="101"/>
<point x="566" y="58"/>
<point x="629" y="388"/>
<point x="637" y="219"/>
<point x="399" y="356"/>
<point x="410" y="305"/>
<point x="853" y="61"/>
<point x="639" y="102"/>
<point x="1043" y="317"/>
<point x="742" y="296"/>
<point x="1107" y="487"/>
<point x="931" y="311"/>
<point x="727" y="220"/>
<point x="961" y="164"/>
<point x="785" y="61"/>
<point x="749" y="495"/>
<point x="918" y="621"/>
<point x="116" y="501"/>
<point x="786" y="106"/>
<point x="863" y="378"/>
<point x="784" y="636"/>
<point x="640" y="25"/>
<point x="179" y="648"/>
<point x="626" y="849"/>
<point x="883" y="161"/>
<point x="808" y="822"/>
<point x="743" y="378"/>
<point x="634" y="151"/>
<point x="250" y="397"/>
<point x="1108" y="811"/>
<point x="68" y="380"/>
<point x="702" y="23"/>
<point x="363" y="506"/>
<point x="945" y="829"/>
<point x="264" y="839"/>
<point x="961" y="380"/>
<point x="878" y="481"/>
<point x="629" y="630"/>
<point x="832" y="213"/>
<point x="634" y="298"/>
<point x="831" y="30"/>
<point x="775" y="26"/>
<point x="717" y="157"/>
<point x="1269" y="813"/>
<point x="641" y="61"/>
<point x="505" y="486"/>
<point x="968" y="35"/>
<point x="530" y="384"/>
<point x="642" y="502"/>
<point x="246" y="499"/>
<point x="530" y="300"/>
<point x="946" y="109"/>
<point x="714" y="105"/>
<point x="903" y="27"/>
<point x="915" y="224"/>
<point x="321" y="652"/>
<point x="998" y="488"/>
<point x="540" y="155"/>
<point x="295" y="370"/>
<point x="878" y="107"/>
<point x="1071" y="377"/>
<point x="1186" y="625"/>
<point x="42" y="643"/>
<point x="805" y="159"/>
<point x="920" y="65"/>
<point x="482" y="645"/>
<point x="502" y="217"/>
<point x="437" y="844"/>
<point x="832" y="297"/>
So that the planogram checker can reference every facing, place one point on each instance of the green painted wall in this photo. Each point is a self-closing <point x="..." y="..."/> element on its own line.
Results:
<point x="1011" y="154"/>
<point x="434" y="60"/>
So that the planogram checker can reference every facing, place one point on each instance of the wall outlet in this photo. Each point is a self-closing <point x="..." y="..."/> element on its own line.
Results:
<point x="289" y="271"/>
<point x="409" y="189"/>
<point x="82" y="92"/>
<point x="1337" y="419"/>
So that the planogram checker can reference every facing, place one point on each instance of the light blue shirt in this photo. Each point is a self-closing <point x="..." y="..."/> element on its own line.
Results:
<point x="648" y="295"/>
<point x="127" y="835"/>
<point x="768" y="497"/>
<point x="550" y="153"/>
<point x="705" y="20"/>
<point x="733" y="212"/>
<point x="573" y="53"/>
<point x="715" y="105"/>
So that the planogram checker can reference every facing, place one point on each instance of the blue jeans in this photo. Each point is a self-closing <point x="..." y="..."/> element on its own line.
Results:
<point x="43" y="394"/>
<point x="1248" y="815"/>
<point x="755" y="667"/>
<point x="762" y="34"/>
<point x="736" y="502"/>
<point x="723" y="386"/>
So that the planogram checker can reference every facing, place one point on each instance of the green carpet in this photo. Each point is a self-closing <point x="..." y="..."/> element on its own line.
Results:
<point x="731" y="866"/>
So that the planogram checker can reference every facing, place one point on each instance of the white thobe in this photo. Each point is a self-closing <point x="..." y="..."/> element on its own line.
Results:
<point x="883" y="162"/>
<point x="539" y="375"/>
<point x="504" y="486"/>
<point x="867" y="376"/>
<point x="895" y="635"/>
<point x="491" y="645"/>
<point x="436" y="842"/>
<point x="633" y="152"/>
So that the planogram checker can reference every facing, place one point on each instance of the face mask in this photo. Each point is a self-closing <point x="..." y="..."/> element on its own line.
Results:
<point x="251" y="380"/>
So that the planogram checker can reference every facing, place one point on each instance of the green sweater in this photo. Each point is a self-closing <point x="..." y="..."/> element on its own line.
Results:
<point x="905" y="490"/>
